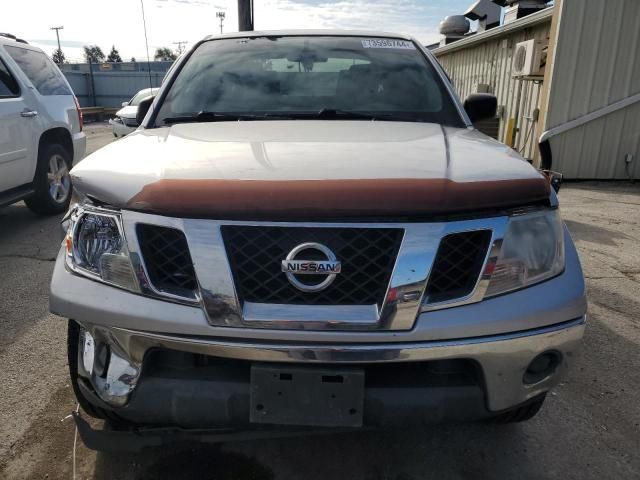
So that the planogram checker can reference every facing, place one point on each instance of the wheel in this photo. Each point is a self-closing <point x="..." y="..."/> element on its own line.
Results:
<point x="522" y="413"/>
<point x="73" y="339"/>
<point x="52" y="181"/>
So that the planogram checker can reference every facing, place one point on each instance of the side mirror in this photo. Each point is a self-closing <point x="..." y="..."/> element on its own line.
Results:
<point x="124" y="104"/>
<point x="143" y="108"/>
<point x="480" y="106"/>
<point x="555" y="179"/>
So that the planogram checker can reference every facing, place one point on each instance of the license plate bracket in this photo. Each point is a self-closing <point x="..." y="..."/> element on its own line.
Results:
<point x="310" y="396"/>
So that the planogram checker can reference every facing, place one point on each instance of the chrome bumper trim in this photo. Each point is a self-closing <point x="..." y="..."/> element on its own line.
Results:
<point x="320" y="353"/>
<point x="503" y="358"/>
<point x="265" y="315"/>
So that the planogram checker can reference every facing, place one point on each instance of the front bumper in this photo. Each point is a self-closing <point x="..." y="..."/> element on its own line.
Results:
<point x="137" y="392"/>
<point x="120" y="129"/>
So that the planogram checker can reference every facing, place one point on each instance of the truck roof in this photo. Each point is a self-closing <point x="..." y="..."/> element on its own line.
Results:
<point x="328" y="32"/>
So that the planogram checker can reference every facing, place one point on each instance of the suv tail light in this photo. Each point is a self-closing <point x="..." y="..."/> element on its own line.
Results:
<point x="80" y="117"/>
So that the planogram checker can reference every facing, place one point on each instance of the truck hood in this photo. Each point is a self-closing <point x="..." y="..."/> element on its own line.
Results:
<point x="309" y="169"/>
<point x="127" y="112"/>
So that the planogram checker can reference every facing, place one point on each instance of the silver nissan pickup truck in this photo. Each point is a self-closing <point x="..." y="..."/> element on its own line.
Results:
<point x="305" y="234"/>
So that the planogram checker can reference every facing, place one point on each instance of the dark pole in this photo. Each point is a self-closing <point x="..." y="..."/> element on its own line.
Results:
<point x="245" y="15"/>
<point x="93" y="84"/>
<point x="58" y="37"/>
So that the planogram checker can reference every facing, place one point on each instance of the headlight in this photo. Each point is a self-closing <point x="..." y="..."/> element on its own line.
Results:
<point x="96" y="248"/>
<point x="532" y="251"/>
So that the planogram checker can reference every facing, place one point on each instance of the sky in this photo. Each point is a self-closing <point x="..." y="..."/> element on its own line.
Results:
<point x="119" y="22"/>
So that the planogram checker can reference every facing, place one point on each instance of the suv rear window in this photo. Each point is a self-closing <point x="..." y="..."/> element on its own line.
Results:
<point x="42" y="72"/>
<point x="8" y="85"/>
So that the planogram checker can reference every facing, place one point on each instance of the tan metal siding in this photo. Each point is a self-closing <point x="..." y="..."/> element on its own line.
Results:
<point x="490" y="62"/>
<point x="597" y="63"/>
<point x="597" y="150"/>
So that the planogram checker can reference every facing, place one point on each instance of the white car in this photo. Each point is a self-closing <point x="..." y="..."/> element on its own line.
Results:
<point x="40" y="129"/>
<point x="125" y="120"/>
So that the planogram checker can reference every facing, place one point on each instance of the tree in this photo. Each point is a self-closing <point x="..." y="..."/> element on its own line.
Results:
<point x="114" y="55"/>
<point x="93" y="54"/>
<point x="165" y="54"/>
<point x="133" y="59"/>
<point x="58" y="56"/>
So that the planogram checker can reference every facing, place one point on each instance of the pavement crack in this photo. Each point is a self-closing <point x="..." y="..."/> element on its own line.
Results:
<point x="627" y="272"/>
<point x="607" y="200"/>
<point x="29" y="257"/>
<point x="600" y="278"/>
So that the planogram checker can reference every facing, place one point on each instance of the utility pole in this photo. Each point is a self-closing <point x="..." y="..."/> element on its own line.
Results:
<point x="245" y="15"/>
<point x="58" y="35"/>
<point x="221" y="16"/>
<point x="146" y="42"/>
<point x="180" y="46"/>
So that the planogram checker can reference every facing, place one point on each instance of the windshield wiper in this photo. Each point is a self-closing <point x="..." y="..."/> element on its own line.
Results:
<point x="337" y="114"/>
<point x="322" y="114"/>
<point x="204" y="116"/>
<point x="345" y="114"/>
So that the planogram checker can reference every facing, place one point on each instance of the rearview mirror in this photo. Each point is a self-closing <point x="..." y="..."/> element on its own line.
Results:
<point x="480" y="106"/>
<point x="124" y="104"/>
<point x="143" y="108"/>
<point x="306" y="56"/>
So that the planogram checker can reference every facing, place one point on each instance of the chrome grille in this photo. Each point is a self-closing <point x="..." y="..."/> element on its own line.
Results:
<point x="457" y="265"/>
<point x="166" y="256"/>
<point x="367" y="255"/>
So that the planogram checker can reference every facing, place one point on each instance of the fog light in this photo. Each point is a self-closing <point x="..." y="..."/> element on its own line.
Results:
<point x="101" y="362"/>
<point x="542" y="366"/>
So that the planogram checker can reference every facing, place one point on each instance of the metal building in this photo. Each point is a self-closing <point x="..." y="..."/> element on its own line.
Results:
<point x="585" y="102"/>
<point x="593" y="108"/>
<point x="482" y="63"/>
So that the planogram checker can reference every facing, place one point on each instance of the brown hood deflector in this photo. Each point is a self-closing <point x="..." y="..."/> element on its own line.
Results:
<point x="331" y="199"/>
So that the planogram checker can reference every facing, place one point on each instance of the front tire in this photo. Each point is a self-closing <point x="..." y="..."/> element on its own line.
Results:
<point x="523" y="413"/>
<point x="52" y="181"/>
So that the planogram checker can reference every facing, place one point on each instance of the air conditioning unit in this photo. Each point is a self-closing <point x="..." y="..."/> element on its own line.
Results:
<point x="527" y="59"/>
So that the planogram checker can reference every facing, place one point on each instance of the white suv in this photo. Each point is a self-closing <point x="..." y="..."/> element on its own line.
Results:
<point x="40" y="129"/>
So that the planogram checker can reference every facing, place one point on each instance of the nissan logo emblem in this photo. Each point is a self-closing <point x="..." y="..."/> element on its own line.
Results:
<point x="293" y="266"/>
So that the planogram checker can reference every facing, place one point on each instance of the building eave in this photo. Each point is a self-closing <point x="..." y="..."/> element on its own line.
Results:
<point x="522" y="23"/>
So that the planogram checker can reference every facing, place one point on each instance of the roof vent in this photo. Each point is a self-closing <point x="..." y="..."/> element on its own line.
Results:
<point x="516" y="9"/>
<point x="486" y="12"/>
<point x="453" y="28"/>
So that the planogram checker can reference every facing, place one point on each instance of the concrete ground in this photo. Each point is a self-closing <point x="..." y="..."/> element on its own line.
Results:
<point x="589" y="427"/>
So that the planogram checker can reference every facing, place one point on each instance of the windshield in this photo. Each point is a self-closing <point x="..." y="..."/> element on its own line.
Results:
<point x="141" y="95"/>
<point x="303" y="77"/>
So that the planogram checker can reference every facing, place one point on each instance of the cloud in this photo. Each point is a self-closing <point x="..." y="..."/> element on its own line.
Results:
<point x="414" y="17"/>
<point x="168" y="21"/>
<point x="63" y="43"/>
